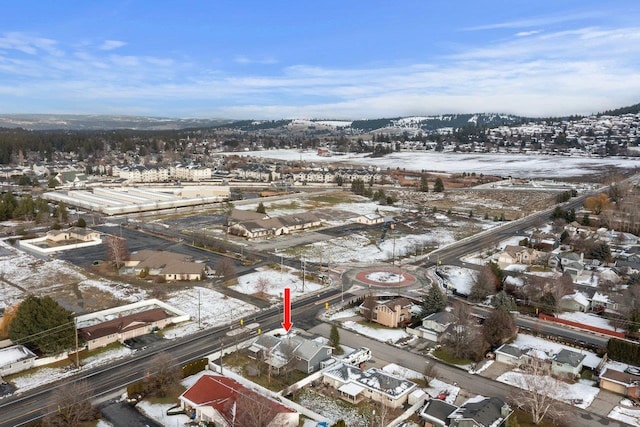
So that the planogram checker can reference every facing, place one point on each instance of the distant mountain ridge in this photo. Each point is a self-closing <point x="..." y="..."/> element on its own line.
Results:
<point x="102" y="122"/>
<point x="412" y="124"/>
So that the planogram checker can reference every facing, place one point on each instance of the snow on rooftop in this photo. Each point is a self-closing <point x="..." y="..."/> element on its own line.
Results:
<point x="14" y="354"/>
<point x="524" y="342"/>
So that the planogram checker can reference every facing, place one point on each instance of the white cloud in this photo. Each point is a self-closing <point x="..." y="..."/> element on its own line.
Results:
<point x="245" y="60"/>
<point x="577" y="71"/>
<point x="527" y="33"/>
<point x="111" y="44"/>
<point x="540" y="21"/>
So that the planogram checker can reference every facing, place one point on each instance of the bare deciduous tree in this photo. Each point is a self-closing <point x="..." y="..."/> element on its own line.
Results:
<point x="499" y="327"/>
<point x="538" y="393"/>
<point x="226" y="268"/>
<point x="461" y="334"/>
<point x="430" y="371"/>
<point x="486" y="283"/>
<point x="251" y="409"/>
<point x="263" y="284"/>
<point x="69" y="406"/>
<point x="163" y="375"/>
<point x="117" y="251"/>
<point x="368" y="307"/>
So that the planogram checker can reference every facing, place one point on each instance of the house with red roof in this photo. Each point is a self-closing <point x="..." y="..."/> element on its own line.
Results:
<point x="225" y="402"/>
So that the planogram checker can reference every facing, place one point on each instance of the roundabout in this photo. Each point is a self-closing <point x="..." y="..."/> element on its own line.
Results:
<point x="383" y="277"/>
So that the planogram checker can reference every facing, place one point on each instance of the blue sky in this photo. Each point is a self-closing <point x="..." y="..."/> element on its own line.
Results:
<point x="273" y="59"/>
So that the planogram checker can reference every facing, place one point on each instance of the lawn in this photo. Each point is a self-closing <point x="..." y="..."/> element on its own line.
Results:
<point x="258" y="372"/>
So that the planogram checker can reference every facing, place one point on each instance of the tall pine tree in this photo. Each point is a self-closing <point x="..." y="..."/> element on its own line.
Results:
<point x="43" y="326"/>
<point x="434" y="301"/>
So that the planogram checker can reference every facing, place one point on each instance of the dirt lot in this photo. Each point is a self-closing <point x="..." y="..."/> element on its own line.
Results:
<point x="512" y="203"/>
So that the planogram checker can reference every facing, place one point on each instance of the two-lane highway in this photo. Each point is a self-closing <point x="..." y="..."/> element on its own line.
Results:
<point x="27" y="407"/>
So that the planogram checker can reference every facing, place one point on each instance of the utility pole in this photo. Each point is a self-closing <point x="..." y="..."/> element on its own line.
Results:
<point x="304" y="273"/>
<point x="199" y="325"/>
<point x="75" y="329"/>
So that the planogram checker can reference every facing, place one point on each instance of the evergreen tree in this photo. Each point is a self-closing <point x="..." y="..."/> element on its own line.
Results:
<point x="261" y="209"/>
<point x="43" y="326"/>
<point x="434" y="301"/>
<point x="424" y="184"/>
<point x="334" y="340"/>
<point x="438" y="186"/>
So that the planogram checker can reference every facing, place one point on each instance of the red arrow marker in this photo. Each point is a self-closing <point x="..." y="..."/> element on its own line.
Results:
<point x="287" y="310"/>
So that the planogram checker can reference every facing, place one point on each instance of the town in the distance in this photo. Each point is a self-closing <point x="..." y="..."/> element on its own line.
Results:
<point x="454" y="270"/>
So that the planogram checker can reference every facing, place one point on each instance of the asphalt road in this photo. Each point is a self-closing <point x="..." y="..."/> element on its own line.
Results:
<point x="24" y="408"/>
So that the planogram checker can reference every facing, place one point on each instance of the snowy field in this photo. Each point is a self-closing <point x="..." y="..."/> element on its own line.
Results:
<point x="459" y="278"/>
<point x="273" y="282"/>
<point x="515" y="165"/>
<point x="211" y="306"/>
<point x="380" y="334"/>
<point x="357" y="248"/>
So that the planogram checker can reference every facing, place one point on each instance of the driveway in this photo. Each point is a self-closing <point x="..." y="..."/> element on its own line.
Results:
<point x="121" y="414"/>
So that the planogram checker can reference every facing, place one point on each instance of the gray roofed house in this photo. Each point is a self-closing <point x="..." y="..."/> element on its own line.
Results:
<point x="436" y="412"/>
<point x="305" y="355"/>
<point x="567" y="362"/>
<point x="481" y="411"/>
<point x="355" y="385"/>
<point x="434" y="326"/>
<point x="509" y="354"/>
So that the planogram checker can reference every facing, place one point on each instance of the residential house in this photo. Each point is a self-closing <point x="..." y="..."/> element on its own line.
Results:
<point x="517" y="255"/>
<point x="370" y="219"/>
<point x="572" y="263"/>
<point x="240" y="215"/>
<point x="172" y="266"/>
<point x="481" y="411"/>
<point x="577" y="301"/>
<point x="436" y="413"/>
<point x="509" y="354"/>
<point x="626" y="383"/>
<point x="601" y="302"/>
<point x="393" y="313"/>
<point x="183" y="270"/>
<point x="124" y="327"/>
<point x="15" y="359"/>
<point x="73" y="234"/>
<point x="630" y="265"/>
<point x="270" y="227"/>
<point x="71" y="179"/>
<point x="355" y="385"/>
<point x="434" y="326"/>
<point x="293" y="351"/>
<point x="567" y="362"/>
<point x="225" y="402"/>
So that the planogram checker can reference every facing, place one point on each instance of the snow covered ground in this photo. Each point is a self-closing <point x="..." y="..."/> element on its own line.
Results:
<point x="273" y="282"/>
<point x="380" y="334"/>
<point x="584" y="389"/>
<point x="514" y="165"/>
<point x="524" y="341"/>
<point x="208" y="306"/>
<point x="626" y="412"/>
<point x="36" y="377"/>
<point x="459" y="278"/>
